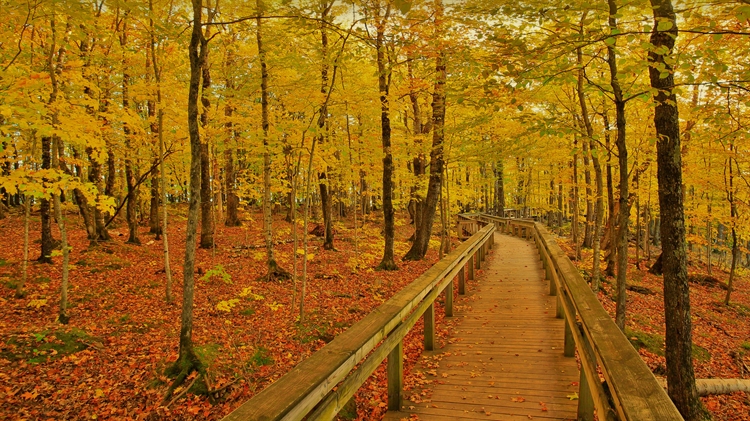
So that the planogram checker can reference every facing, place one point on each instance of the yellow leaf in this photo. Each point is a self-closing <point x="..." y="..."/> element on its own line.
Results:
<point x="227" y="305"/>
<point x="37" y="303"/>
<point x="99" y="393"/>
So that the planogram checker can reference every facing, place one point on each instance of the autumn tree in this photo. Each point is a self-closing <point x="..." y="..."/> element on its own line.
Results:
<point x="679" y="354"/>
<point x="188" y="361"/>
<point x="424" y="230"/>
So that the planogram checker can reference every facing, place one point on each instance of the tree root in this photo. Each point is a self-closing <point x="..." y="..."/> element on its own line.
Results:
<point x="181" y="369"/>
<point x="276" y="273"/>
<point x="181" y="394"/>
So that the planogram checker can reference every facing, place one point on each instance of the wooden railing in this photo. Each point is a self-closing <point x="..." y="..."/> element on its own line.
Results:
<point x="307" y="390"/>
<point x="629" y="390"/>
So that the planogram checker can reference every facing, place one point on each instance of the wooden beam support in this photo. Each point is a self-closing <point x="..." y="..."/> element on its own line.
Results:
<point x="585" y="399"/>
<point x="395" y="370"/>
<point x="449" y="299"/>
<point x="569" y="349"/>
<point x="429" y="328"/>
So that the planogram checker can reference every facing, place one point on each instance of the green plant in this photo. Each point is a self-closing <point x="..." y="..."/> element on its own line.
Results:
<point x="39" y="347"/>
<point x="261" y="357"/>
<point x="217" y="272"/>
<point x="652" y="342"/>
<point x="248" y="311"/>
<point x="746" y="345"/>
<point x="207" y="353"/>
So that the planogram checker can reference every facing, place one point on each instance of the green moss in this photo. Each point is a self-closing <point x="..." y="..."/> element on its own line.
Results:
<point x="207" y="353"/>
<point x="745" y="345"/>
<point x="41" y="279"/>
<point x="655" y="343"/>
<point x="311" y="333"/>
<point x="46" y="346"/>
<point x="249" y="311"/>
<point x="700" y="353"/>
<point x="261" y="357"/>
<point x="10" y="283"/>
<point x="652" y="342"/>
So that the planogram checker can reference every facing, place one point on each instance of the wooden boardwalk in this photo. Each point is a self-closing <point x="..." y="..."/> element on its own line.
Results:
<point x="504" y="358"/>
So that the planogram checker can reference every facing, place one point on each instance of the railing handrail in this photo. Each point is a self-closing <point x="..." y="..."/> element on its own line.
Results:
<point x="310" y="383"/>
<point x="631" y="391"/>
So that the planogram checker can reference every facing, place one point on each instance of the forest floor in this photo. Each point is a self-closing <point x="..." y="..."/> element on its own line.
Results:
<point x="108" y="363"/>
<point x="721" y="333"/>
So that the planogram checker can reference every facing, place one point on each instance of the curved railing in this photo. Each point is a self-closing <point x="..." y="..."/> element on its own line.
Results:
<point x="629" y="390"/>
<point x="307" y="390"/>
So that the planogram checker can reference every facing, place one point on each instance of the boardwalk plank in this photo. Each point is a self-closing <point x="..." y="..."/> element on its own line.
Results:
<point x="505" y="355"/>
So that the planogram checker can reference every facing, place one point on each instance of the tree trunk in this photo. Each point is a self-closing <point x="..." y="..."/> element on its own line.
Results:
<point x="733" y="220"/>
<point x="160" y="138"/>
<point x="95" y="177"/>
<point x="424" y="230"/>
<point x="232" y="200"/>
<point x="416" y="202"/>
<point x="62" y="316"/>
<point x="384" y="77"/>
<point x="325" y="188"/>
<point x="599" y="207"/>
<point x="679" y="358"/>
<point x="132" y="193"/>
<point x="153" y="215"/>
<point x="499" y="189"/>
<point x="611" y="253"/>
<point x="48" y="243"/>
<point x="274" y="271"/>
<point x="588" y="234"/>
<point x="207" y="215"/>
<point x="621" y="240"/>
<point x="574" y="230"/>
<point x="187" y="360"/>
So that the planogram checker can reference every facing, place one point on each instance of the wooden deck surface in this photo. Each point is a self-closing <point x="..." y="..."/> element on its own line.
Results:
<point x="504" y="357"/>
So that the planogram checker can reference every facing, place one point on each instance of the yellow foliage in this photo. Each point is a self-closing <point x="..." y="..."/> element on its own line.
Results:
<point x="36" y="303"/>
<point x="247" y="292"/>
<point x="227" y="305"/>
<point x="275" y="306"/>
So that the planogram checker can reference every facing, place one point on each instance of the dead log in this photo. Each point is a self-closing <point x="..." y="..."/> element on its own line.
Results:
<point x="707" y="387"/>
<point x="707" y="281"/>
<point x="639" y="289"/>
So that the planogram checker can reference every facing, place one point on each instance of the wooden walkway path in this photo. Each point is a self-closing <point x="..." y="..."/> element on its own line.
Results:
<point x="504" y="358"/>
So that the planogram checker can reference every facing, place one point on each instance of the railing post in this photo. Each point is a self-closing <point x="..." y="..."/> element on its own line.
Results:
<point x="552" y="283"/>
<point x="559" y="310"/>
<point x="429" y="328"/>
<point x="471" y="267"/>
<point x="395" y="370"/>
<point x="449" y="299"/>
<point x="462" y="281"/>
<point x="570" y="345"/>
<point x="585" y="400"/>
<point x="478" y="259"/>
